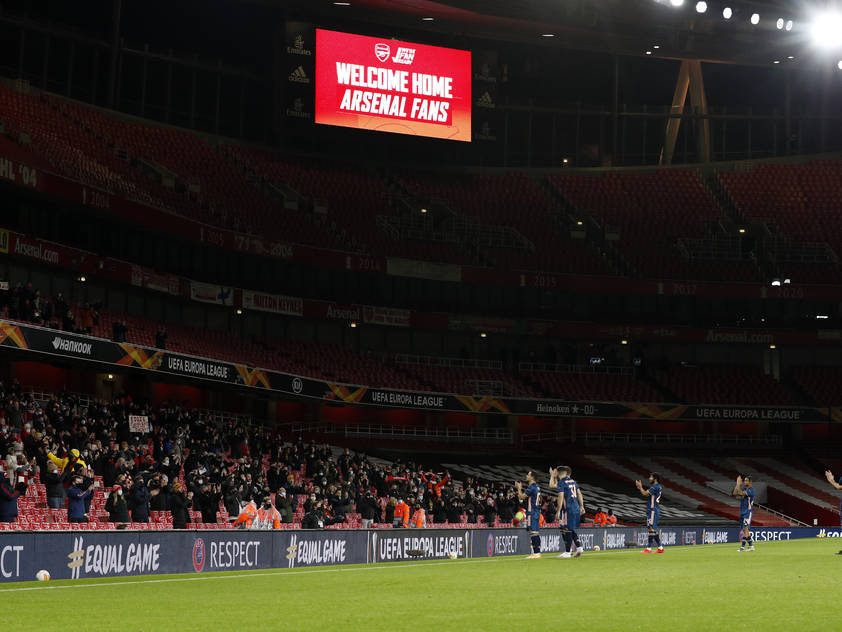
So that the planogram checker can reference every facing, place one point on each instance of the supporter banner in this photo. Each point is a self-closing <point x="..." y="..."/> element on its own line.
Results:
<point x="138" y="423"/>
<point x="386" y="316"/>
<point x="392" y="86"/>
<point x="83" y="262"/>
<point x="151" y="280"/>
<point x="56" y="343"/>
<point x="92" y="554"/>
<point x="275" y="303"/>
<point x="208" y="293"/>
<point x="461" y="322"/>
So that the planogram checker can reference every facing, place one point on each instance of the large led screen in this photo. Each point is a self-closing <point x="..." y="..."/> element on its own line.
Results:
<point x="391" y="86"/>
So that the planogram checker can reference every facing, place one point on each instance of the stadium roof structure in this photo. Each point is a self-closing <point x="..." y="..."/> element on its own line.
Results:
<point x="628" y="27"/>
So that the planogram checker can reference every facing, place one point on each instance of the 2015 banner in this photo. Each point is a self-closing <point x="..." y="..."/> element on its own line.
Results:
<point x="392" y="86"/>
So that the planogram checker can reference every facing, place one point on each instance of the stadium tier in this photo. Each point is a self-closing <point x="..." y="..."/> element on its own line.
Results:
<point x="584" y="386"/>
<point x="720" y="384"/>
<point x="657" y="225"/>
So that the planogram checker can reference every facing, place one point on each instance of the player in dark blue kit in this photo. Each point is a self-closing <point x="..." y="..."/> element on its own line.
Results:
<point x="533" y="511"/>
<point x="653" y="510"/>
<point x="829" y="475"/>
<point x="571" y="505"/>
<point x="745" y="492"/>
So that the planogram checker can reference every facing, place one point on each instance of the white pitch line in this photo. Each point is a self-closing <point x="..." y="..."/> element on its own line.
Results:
<point x="268" y="574"/>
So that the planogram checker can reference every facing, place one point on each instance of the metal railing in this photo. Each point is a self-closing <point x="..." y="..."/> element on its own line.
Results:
<point x="412" y="433"/>
<point x="793" y="522"/>
<point x="224" y="417"/>
<point x="452" y="363"/>
<point x="575" y="368"/>
<point x="660" y="439"/>
<point x="43" y="397"/>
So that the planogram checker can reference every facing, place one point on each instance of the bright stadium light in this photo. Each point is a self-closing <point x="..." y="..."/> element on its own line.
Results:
<point x="839" y="64"/>
<point x="776" y="283"/>
<point x="727" y="13"/>
<point x="755" y="18"/>
<point x="677" y="3"/>
<point x="701" y="7"/>
<point x="826" y="30"/>
<point x="780" y="24"/>
<point x="788" y="25"/>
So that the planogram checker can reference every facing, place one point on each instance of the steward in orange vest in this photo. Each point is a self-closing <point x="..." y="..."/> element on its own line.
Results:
<point x="419" y="519"/>
<point x="247" y="515"/>
<point x="401" y="520"/>
<point x="267" y="516"/>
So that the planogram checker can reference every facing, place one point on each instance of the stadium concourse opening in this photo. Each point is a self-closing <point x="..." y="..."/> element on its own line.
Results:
<point x="325" y="299"/>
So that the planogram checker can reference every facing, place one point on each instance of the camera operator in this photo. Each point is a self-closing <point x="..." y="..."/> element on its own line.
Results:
<point x="9" y="497"/>
<point x="315" y="518"/>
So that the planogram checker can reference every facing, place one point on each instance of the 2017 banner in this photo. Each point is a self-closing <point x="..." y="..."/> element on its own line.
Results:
<point x="392" y="86"/>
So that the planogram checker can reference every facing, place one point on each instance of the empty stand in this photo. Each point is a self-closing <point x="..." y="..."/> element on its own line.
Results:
<point x="593" y="386"/>
<point x="650" y="212"/>
<point x="724" y="385"/>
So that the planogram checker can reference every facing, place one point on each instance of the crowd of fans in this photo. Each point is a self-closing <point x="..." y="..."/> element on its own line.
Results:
<point x="189" y="462"/>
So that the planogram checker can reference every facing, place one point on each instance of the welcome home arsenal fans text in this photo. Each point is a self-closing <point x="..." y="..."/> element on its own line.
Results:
<point x="382" y="91"/>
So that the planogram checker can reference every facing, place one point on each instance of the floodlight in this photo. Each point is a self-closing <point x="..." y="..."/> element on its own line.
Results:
<point x="701" y="7"/>
<point x="755" y="18"/>
<point x="727" y="13"/>
<point x="826" y="30"/>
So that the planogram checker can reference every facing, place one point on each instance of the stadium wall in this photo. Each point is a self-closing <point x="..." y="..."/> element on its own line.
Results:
<point x="92" y="554"/>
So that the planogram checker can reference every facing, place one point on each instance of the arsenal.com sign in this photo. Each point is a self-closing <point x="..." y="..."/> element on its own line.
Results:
<point x="392" y="86"/>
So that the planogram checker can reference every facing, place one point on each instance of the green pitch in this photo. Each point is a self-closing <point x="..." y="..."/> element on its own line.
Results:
<point x="787" y="586"/>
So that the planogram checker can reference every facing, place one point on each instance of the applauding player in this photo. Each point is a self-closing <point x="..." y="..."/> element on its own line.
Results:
<point x="829" y="476"/>
<point x="653" y="510"/>
<point x="745" y="491"/>
<point x="570" y="509"/>
<point x="533" y="511"/>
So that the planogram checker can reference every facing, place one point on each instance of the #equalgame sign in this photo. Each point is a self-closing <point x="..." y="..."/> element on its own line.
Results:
<point x="391" y="86"/>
